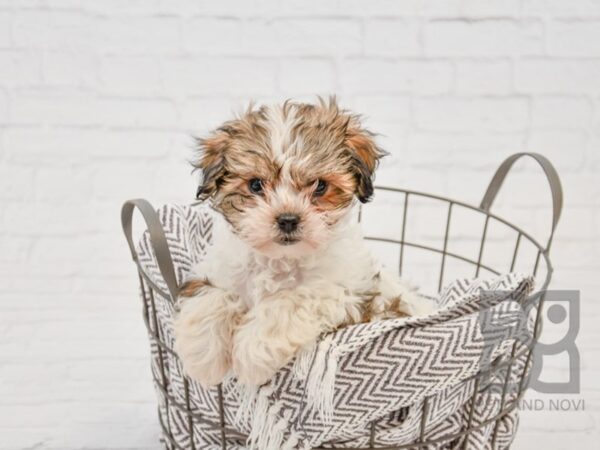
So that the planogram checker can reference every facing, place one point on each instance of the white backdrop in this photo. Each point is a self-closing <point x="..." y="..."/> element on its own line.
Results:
<point x="98" y="100"/>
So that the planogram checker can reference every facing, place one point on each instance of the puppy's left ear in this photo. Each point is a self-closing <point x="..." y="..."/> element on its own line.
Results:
<point x="365" y="157"/>
<point x="211" y="162"/>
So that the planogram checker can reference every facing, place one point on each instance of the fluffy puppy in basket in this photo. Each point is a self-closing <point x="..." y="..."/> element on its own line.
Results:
<point x="288" y="262"/>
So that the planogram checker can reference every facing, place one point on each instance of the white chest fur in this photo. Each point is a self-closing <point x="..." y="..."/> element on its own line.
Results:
<point x="344" y="263"/>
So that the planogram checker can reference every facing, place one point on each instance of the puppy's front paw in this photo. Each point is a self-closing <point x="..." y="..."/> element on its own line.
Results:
<point x="203" y="331"/>
<point x="203" y="357"/>
<point x="256" y="360"/>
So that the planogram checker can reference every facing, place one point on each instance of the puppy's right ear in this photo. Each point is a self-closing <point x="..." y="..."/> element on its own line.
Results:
<point x="365" y="156"/>
<point x="211" y="162"/>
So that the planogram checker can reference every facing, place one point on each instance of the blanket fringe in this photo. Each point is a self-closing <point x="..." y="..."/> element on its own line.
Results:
<point x="266" y="423"/>
<point x="292" y="441"/>
<point x="320" y="383"/>
<point x="267" y="427"/>
<point x="303" y="361"/>
<point x="247" y="396"/>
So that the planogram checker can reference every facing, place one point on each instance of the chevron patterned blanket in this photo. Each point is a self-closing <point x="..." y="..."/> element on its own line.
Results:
<point x="386" y="383"/>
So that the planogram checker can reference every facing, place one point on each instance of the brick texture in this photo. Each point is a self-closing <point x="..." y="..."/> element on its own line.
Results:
<point x="98" y="103"/>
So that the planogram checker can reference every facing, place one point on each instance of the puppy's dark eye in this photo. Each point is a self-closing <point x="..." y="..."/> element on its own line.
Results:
<point x="255" y="185"/>
<point x="321" y="188"/>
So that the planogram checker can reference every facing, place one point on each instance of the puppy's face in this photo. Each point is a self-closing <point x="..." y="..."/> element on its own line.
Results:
<point x="284" y="176"/>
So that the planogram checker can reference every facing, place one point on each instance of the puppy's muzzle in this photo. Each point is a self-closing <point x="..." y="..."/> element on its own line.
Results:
<point x="288" y="223"/>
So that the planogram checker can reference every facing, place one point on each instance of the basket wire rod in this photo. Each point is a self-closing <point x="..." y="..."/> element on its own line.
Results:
<point x="165" y="348"/>
<point x="496" y="367"/>
<point x="144" y="302"/>
<point x="172" y="443"/>
<point x="196" y="416"/>
<point x="222" y="417"/>
<point x="186" y="389"/>
<point x="443" y="264"/>
<point x="431" y="249"/>
<point x="536" y="332"/>
<point x="503" y="221"/>
<point x="471" y="413"/>
<point x="424" y="414"/>
<point x="161" y="358"/>
<point x="482" y="244"/>
<point x="515" y="252"/>
<point x="145" y="311"/>
<point x="372" y="434"/>
<point x="537" y="263"/>
<point x="151" y="283"/>
<point x="549" y="243"/>
<point x="162" y="347"/>
<point x="504" y="389"/>
<point x="147" y="321"/>
<point x="146" y="314"/>
<point x="403" y="233"/>
<point x="163" y="437"/>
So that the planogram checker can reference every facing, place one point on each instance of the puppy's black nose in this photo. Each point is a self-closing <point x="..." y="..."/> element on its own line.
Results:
<point x="288" y="222"/>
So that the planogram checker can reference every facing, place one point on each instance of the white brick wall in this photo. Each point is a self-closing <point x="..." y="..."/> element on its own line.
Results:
<point x="97" y="103"/>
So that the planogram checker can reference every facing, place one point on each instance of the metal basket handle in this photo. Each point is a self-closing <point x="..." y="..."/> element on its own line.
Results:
<point x="553" y="181"/>
<point x="158" y="240"/>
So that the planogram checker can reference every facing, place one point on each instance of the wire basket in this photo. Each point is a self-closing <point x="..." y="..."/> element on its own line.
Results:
<point x="488" y="244"/>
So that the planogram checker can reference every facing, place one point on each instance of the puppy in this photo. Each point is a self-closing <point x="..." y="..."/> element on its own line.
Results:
<point x="287" y="262"/>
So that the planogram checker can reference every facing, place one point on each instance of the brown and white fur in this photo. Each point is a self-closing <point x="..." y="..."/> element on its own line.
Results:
<point x="287" y="262"/>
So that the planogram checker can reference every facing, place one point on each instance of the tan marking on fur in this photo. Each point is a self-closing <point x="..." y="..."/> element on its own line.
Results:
<point x="395" y="309"/>
<point x="370" y="311"/>
<point x="339" y="193"/>
<point x="362" y="146"/>
<point x="191" y="287"/>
